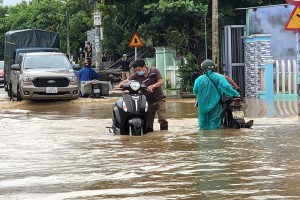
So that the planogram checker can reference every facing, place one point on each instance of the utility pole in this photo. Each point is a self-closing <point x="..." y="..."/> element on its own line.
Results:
<point x="98" y="36"/>
<point x="68" y="32"/>
<point x="67" y="28"/>
<point x="205" y="29"/>
<point x="215" y="34"/>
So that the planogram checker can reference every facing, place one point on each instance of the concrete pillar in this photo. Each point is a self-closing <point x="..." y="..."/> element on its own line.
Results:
<point x="169" y="54"/>
<point x="159" y="55"/>
<point x="175" y="79"/>
<point x="257" y="50"/>
<point x="269" y="77"/>
<point x="164" y="58"/>
<point x="269" y="95"/>
<point x="251" y="71"/>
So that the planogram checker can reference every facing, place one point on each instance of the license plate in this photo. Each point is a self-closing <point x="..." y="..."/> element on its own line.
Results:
<point x="51" y="89"/>
<point x="96" y="91"/>
<point x="237" y="114"/>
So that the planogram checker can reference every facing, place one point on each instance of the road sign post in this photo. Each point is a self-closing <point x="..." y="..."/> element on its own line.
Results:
<point x="135" y="42"/>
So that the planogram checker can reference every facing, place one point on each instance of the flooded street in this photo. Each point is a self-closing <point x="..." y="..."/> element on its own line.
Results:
<point x="63" y="151"/>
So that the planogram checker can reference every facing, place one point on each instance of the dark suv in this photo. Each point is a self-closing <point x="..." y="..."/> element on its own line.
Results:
<point x="43" y="75"/>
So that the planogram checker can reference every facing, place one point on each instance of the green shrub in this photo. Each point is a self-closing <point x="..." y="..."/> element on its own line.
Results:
<point x="187" y="67"/>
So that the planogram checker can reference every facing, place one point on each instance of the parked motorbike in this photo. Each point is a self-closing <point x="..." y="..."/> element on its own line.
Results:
<point x="232" y="113"/>
<point x="130" y="112"/>
<point x="90" y="89"/>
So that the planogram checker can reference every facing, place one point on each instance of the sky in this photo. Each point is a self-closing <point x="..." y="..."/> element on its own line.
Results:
<point x="12" y="2"/>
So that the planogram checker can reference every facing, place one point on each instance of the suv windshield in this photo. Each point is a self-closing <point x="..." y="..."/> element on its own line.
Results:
<point x="46" y="62"/>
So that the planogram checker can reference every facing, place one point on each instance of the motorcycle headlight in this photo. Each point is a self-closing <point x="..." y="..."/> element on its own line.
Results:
<point x="135" y="86"/>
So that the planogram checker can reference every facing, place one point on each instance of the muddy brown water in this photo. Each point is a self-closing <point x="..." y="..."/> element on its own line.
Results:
<point x="63" y="150"/>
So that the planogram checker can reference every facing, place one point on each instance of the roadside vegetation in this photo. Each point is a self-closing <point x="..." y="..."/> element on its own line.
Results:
<point x="179" y="23"/>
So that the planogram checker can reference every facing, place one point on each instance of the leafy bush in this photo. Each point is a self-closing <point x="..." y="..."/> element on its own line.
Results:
<point x="187" y="67"/>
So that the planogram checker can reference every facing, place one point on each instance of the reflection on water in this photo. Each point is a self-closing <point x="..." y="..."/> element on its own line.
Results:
<point x="88" y="108"/>
<point x="273" y="108"/>
<point x="77" y="158"/>
<point x="176" y="108"/>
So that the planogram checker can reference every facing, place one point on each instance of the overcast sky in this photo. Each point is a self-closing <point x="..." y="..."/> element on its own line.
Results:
<point x="12" y="2"/>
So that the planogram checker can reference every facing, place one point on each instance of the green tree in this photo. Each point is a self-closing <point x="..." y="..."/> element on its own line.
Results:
<point x="121" y="18"/>
<point x="51" y="15"/>
<point x="80" y="16"/>
<point x="3" y="21"/>
<point x="177" y="23"/>
<point x="174" y="23"/>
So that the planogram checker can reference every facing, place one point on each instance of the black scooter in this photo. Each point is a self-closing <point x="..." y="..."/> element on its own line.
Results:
<point x="233" y="114"/>
<point x="130" y="112"/>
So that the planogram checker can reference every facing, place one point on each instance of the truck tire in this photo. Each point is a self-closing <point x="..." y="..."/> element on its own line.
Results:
<point x="5" y="86"/>
<point x="19" y="97"/>
<point x="10" y="94"/>
<point x="8" y="90"/>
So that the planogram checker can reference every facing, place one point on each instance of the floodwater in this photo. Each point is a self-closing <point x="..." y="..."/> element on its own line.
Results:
<point x="63" y="151"/>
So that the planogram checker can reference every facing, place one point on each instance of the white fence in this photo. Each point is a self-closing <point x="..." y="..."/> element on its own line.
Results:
<point x="285" y="77"/>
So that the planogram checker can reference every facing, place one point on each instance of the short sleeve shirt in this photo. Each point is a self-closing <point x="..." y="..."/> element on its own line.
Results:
<point x="157" y="94"/>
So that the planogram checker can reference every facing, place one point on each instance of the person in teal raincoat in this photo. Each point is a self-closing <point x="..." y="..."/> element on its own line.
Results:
<point x="208" y="89"/>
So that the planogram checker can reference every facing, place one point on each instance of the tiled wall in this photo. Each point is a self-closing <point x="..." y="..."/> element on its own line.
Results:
<point x="257" y="48"/>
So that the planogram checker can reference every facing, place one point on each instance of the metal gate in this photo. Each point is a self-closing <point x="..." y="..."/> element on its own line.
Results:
<point x="233" y="62"/>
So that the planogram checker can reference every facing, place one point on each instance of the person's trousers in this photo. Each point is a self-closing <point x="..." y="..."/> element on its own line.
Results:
<point x="212" y="119"/>
<point x="125" y="75"/>
<point x="160" y="108"/>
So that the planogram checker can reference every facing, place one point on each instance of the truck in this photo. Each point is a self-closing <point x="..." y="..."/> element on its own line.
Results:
<point x="43" y="76"/>
<point x="18" y="42"/>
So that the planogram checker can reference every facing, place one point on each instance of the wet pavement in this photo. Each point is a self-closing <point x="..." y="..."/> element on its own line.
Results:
<point x="63" y="150"/>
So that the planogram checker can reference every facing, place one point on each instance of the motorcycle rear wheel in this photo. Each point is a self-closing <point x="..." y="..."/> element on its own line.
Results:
<point x="236" y="124"/>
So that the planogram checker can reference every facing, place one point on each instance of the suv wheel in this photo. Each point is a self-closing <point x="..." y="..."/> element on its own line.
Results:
<point x="10" y="94"/>
<point x="8" y="90"/>
<point x="5" y="86"/>
<point x="19" y="97"/>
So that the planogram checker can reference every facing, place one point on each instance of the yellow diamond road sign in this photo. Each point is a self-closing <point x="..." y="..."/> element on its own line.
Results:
<point x="294" y="20"/>
<point x="135" y="41"/>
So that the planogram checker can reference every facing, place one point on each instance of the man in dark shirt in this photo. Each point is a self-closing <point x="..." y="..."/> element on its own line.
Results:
<point x="125" y="67"/>
<point x="154" y="93"/>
